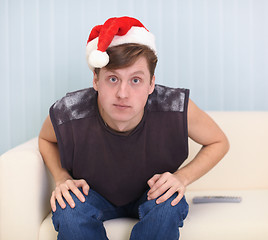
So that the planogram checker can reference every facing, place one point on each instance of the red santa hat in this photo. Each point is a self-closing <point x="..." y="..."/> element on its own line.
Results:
<point x="115" y="31"/>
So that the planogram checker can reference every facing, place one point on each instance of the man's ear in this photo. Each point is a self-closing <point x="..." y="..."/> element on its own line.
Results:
<point x="95" y="81"/>
<point x="152" y="85"/>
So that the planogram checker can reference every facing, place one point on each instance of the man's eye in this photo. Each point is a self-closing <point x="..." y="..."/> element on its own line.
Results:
<point x="136" y="80"/>
<point x="113" y="79"/>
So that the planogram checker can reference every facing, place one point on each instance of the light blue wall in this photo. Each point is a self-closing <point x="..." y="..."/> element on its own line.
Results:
<point x="217" y="48"/>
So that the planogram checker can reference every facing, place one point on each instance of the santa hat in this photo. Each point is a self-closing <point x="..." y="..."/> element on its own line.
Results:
<point x="115" y="31"/>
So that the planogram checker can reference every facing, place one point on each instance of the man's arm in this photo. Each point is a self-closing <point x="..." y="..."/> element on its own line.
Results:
<point x="49" y="150"/>
<point x="203" y="130"/>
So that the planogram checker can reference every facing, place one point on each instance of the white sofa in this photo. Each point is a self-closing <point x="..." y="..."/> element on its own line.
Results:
<point x="25" y="188"/>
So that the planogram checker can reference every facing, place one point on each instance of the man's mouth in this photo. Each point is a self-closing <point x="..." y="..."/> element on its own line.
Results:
<point x="121" y="106"/>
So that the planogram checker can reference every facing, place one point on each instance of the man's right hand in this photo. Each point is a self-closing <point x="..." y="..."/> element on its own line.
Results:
<point x="62" y="191"/>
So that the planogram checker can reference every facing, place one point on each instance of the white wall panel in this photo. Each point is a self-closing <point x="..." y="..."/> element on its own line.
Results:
<point x="217" y="48"/>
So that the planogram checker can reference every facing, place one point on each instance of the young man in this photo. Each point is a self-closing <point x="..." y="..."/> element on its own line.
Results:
<point x="115" y="150"/>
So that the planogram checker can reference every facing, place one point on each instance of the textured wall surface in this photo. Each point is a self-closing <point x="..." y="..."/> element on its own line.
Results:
<point x="217" y="48"/>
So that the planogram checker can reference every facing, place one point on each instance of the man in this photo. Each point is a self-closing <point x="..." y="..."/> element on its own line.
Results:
<point x="115" y="150"/>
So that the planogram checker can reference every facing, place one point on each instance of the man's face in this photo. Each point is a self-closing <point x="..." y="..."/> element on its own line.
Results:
<point x="123" y="93"/>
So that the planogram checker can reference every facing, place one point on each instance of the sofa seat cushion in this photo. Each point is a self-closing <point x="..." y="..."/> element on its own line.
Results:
<point x="246" y="220"/>
<point x="233" y="221"/>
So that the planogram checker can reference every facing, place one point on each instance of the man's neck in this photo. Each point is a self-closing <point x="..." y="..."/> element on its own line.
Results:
<point x="120" y="127"/>
<point x="123" y="133"/>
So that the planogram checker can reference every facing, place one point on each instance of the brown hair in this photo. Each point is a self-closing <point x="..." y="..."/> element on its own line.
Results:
<point x="125" y="55"/>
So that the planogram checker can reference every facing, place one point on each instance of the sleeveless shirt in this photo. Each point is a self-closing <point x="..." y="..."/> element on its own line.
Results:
<point x="118" y="166"/>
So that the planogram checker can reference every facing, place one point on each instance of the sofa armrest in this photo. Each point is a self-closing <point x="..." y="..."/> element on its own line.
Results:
<point x="25" y="187"/>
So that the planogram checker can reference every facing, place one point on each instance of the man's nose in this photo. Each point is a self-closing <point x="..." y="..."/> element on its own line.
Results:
<point x="123" y="90"/>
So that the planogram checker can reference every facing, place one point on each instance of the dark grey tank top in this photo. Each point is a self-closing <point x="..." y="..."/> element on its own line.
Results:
<point x="118" y="166"/>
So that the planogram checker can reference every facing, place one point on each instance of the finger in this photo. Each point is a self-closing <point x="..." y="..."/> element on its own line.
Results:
<point x="58" y="197"/>
<point x="153" y="180"/>
<point x="67" y="196"/>
<point x="160" y="190"/>
<point x="85" y="189"/>
<point x="161" y="181"/>
<point x="82" y="183"/>
<point x="177" y="199"/>
<point x="53" y="202"/>
<point x="76" y="191"/>
<point x="166" y="196"/>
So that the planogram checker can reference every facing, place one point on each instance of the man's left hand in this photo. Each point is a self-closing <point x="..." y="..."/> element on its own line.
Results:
<point x="166" y="184"/>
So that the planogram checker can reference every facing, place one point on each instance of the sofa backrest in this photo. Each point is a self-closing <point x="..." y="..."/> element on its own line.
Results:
<point x="246" y="164"/>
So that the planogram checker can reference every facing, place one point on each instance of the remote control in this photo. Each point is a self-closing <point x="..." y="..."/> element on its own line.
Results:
<point x="217" y="199"/>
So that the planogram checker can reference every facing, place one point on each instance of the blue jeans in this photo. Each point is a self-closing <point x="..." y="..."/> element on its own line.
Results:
<point x="85" y="221"/>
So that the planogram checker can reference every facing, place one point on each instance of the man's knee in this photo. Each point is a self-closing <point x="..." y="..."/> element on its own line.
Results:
<point x="79" y="222"/>
<point x="160" y="221"/>
<point x="69" y="216"/>
<point x="165" y="209"/>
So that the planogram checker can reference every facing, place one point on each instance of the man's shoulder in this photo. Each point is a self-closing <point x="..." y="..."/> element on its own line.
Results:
<point x="168" y="99"/>
<point x="75" y="105"/>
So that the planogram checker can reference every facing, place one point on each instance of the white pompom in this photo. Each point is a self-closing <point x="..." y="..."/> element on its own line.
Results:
<point x="98" y="59"/>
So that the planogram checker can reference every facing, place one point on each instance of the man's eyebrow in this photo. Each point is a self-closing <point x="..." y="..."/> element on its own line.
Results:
<point x="109" y="70"/>
<point x="114" y="71"/>
<point x="138" y="72"/>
